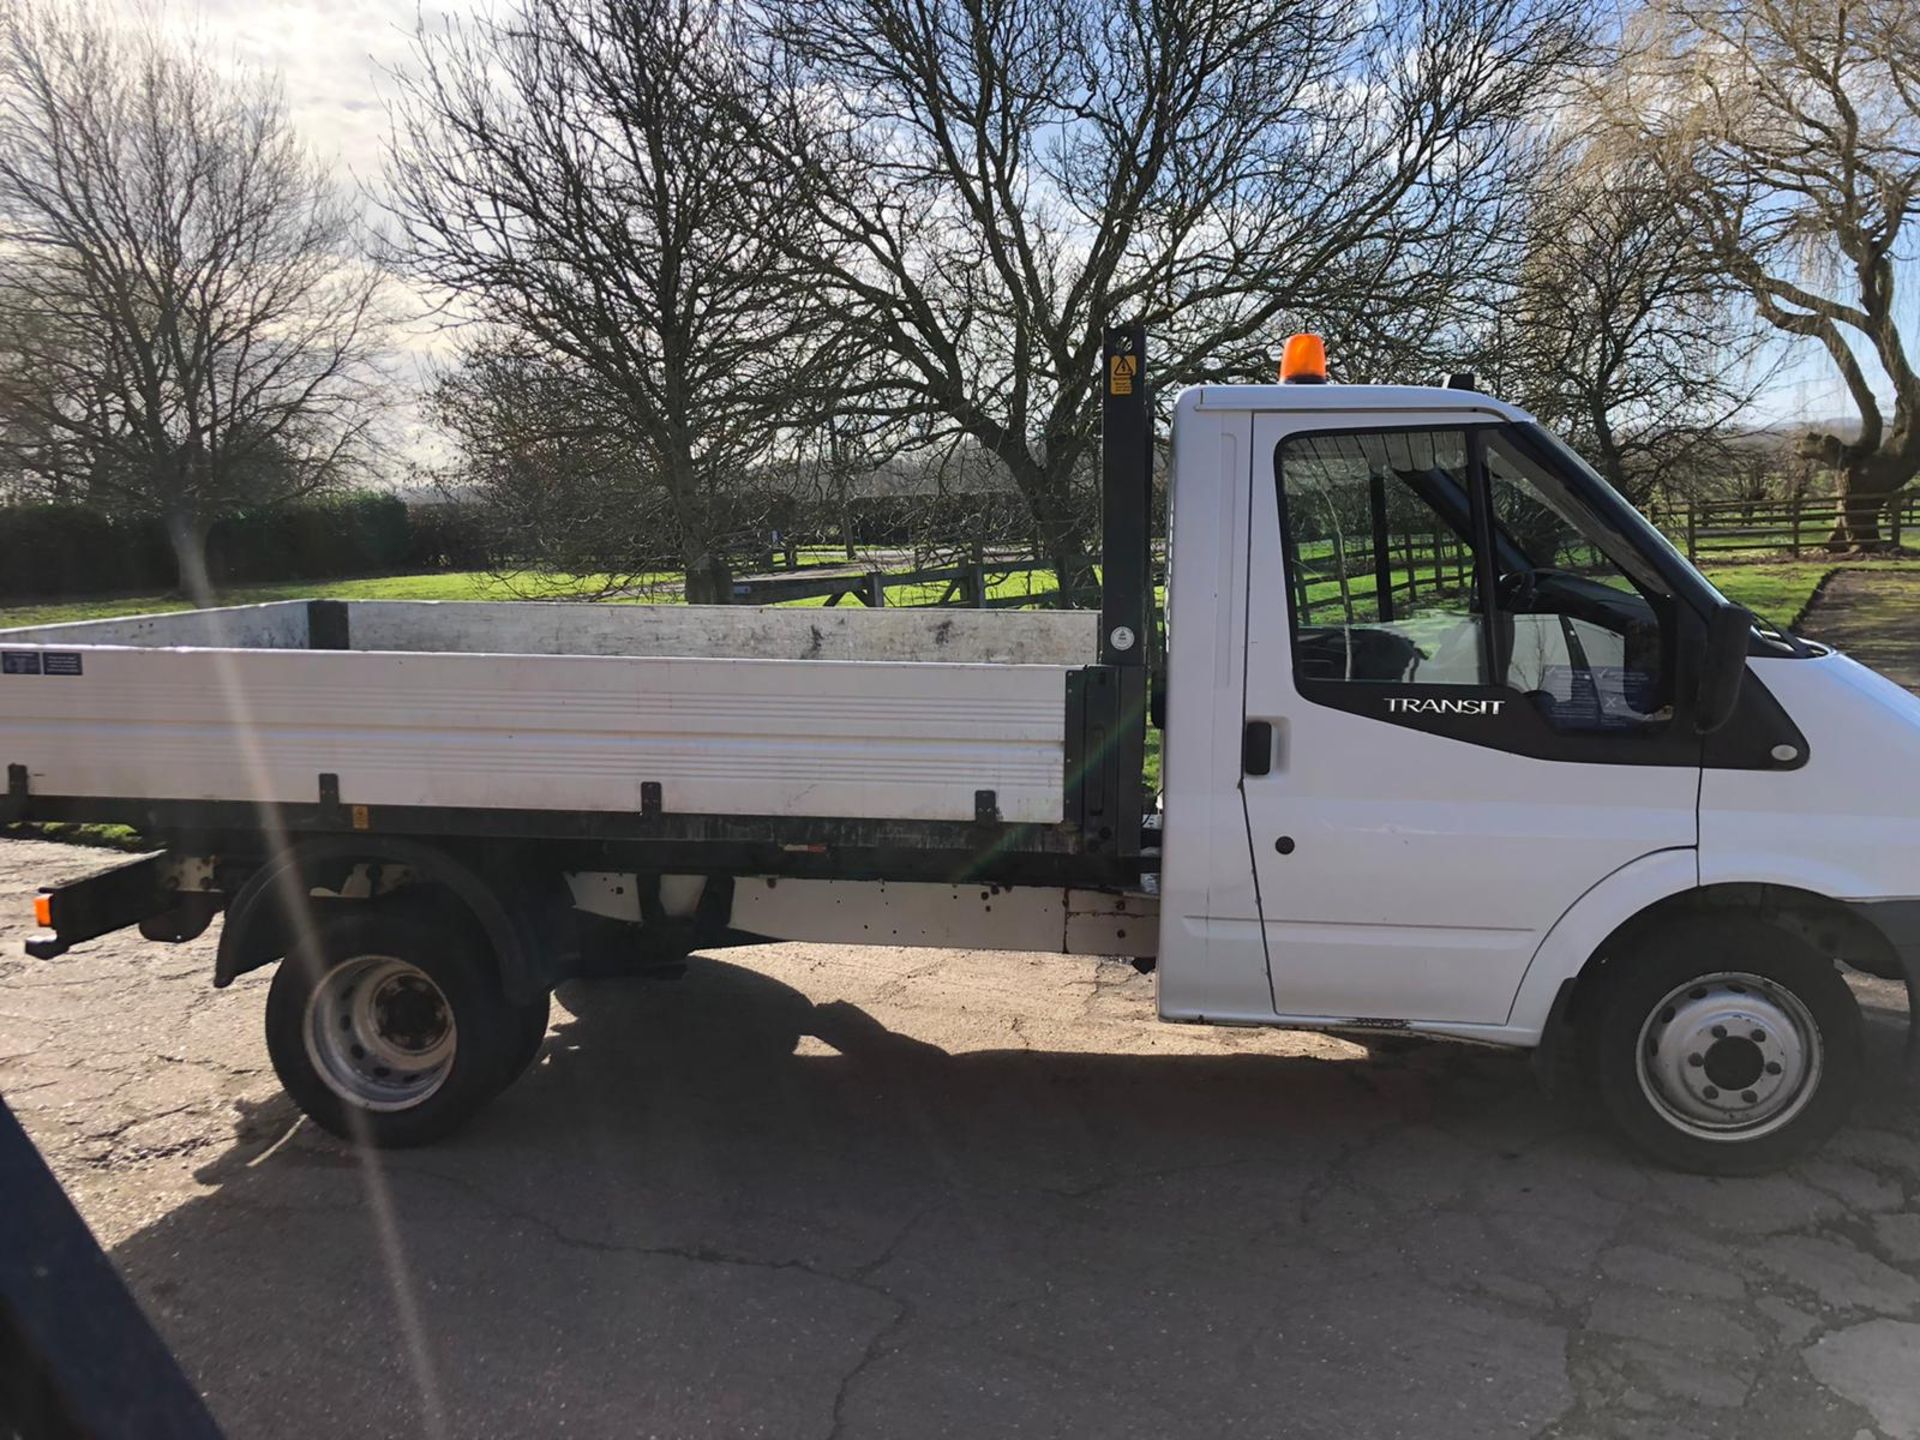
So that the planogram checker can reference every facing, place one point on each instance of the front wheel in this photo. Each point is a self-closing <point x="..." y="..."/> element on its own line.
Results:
<point x="390" y="1032"/>
<point x="1727" y="1047"/>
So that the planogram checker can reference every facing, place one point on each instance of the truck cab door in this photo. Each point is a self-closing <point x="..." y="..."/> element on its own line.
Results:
<point x="1461" y="672"/>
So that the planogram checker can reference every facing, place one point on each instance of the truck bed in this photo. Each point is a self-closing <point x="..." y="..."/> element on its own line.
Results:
<point x="898" y="715"/>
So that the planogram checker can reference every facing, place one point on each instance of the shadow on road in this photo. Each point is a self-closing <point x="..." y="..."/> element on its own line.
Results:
<point x="717" y="1208"/>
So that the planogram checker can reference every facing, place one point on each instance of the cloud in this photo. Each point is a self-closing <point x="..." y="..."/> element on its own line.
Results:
<point x="333" y="57"/>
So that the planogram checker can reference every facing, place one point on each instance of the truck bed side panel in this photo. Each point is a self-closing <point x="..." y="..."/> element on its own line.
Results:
<point x="720" y="736"/>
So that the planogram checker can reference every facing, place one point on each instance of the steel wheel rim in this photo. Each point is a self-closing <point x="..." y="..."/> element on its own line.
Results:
<point x="1730" y="1056"/>
<point x="380" y="1033"/>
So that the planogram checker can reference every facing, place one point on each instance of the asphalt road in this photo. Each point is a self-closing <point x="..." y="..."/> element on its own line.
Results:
<point x="808" y="1192"/>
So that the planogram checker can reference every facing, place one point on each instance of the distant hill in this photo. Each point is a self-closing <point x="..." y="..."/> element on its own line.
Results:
<point x="1845" y="426"/>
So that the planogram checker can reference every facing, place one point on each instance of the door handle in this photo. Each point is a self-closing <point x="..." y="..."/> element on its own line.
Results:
<point x="1256" y="748"/>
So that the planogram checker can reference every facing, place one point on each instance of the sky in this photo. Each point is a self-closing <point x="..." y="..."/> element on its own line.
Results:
<point x="333" y="57"/>
<point x="330" y="54"/>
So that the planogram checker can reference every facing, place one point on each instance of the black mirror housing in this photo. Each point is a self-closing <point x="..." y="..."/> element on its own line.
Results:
<point x="1723" y="666"/>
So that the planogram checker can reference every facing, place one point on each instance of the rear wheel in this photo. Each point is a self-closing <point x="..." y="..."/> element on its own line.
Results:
<point x="529" y="1026"/>
<point x="391" y="1032"/>
<point x="1727" y="1047"/>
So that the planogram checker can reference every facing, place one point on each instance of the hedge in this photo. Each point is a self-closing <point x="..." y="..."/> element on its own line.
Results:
<point x="61" y="551"/>
<point x="449" y="537"/>
<point x="343" y="535"/>
<point x="56" y="551"/>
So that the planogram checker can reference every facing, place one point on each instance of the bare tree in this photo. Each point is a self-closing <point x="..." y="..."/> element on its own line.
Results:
<point x="554" y="489"/>
<point x="559" y="491"/>
<point x="1790" y="130"/>
<point x="1619" y="332"/>
<point x="196" y="329"/>
<point x="39" y="458"/>
<point x="990" y="184"/>
<point x="576" y="174"/>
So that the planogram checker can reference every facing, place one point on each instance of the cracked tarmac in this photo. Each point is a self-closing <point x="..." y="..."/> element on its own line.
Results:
<point x="795" y="1195"/>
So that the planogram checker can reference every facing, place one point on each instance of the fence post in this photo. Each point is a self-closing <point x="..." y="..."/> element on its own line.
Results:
<point x="876" y="589"/>
<point x="1796" y="526"/>
<point x="1693" y="548"/>
<point x="1897" y="507"/>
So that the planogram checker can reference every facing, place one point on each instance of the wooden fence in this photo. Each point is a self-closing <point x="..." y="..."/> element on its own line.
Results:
<point x="1435" y="564"/>
<point x="967" y="585"/>
<point x="1725" y="527"/>
<point x="971" y="584"/>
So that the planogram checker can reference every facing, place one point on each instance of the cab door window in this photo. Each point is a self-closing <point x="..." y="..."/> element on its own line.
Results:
<point x="1468" y="558"/>
<point x="1382" y="569"/>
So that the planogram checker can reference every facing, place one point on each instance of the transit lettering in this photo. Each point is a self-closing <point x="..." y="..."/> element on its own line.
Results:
<point x="1409" y="705"/>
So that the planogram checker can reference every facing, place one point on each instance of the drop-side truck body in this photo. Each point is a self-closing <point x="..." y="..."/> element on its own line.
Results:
<point x="1454" y="743"/>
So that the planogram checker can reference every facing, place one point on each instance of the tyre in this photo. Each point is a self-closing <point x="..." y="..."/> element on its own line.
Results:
<point x="391" y="1032"/>
<point x="529" y="1028"/>
<point x="1726" y="1046"/>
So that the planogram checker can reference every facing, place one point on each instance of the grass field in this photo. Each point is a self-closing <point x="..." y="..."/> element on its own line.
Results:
<point x="438" y="585"/>
<point x="1780" y="590"/>
<point x="1776" y="592"/>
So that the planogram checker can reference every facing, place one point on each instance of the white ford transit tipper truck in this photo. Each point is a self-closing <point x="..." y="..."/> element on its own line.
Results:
<point x="1454" y="742"/>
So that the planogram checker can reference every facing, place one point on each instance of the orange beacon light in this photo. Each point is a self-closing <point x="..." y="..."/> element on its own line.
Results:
<point x="1304" y="361"/>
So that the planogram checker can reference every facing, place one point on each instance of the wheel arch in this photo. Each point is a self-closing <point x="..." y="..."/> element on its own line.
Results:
<point x="1830" y="926"/>
<point x="1603" y="927"/>
<point x="1580" y="934"/>
<point x="522" y="912"/>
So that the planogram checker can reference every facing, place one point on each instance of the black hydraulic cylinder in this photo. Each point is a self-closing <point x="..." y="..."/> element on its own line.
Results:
<point x="1126" y="497"/>
<point x="1107" y="702"/>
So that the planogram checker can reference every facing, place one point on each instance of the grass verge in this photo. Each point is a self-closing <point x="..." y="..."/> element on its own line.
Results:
<point x="101" y="837"/>
<point x="1782" y="591"/>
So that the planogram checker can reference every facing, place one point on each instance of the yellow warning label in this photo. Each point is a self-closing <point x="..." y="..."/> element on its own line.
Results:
<point x="361" y="820"/>
<point x="1120" y="373"/>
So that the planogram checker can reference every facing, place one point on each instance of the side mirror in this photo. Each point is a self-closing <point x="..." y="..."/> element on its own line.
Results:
<point x="1723" y="665"/>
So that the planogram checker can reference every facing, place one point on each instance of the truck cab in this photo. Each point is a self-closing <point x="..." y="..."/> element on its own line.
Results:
<point x="1458" y="743"/>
